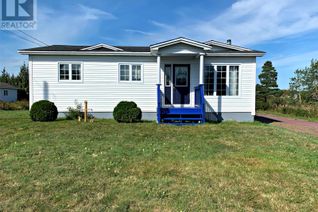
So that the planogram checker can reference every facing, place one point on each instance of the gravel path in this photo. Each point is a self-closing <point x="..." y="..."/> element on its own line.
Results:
<point x="290" y="123"/>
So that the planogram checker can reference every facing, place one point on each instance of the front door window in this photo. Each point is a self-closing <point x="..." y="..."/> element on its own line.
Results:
<point x="181" y="76"/>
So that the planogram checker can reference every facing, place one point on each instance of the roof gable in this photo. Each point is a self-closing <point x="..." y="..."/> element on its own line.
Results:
<point x="101" y="46"/>
<point x="182" y="40"/>
<point x="226" y="46"/>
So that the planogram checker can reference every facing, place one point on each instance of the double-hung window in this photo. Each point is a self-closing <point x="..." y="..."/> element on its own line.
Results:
<point x="234" y="80"/>
<point x="221" y="80"/>
<point x="5" y="93"/>
<point x="209" y="80"/>
<point x="130" y="72"/>
<point x="70" y="72"/>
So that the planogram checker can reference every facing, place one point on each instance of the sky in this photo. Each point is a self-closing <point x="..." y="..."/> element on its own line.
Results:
<point x="287" y="30"/>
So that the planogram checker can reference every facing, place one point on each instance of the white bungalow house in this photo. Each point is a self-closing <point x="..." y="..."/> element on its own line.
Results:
<point x="179" y="79"/>
<point x="8" y="93"/>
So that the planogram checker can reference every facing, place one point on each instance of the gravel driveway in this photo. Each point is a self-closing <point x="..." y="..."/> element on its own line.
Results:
<point x="290" y="123"/>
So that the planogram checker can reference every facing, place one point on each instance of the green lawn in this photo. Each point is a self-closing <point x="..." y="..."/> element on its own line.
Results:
<point x="110" y="166"/>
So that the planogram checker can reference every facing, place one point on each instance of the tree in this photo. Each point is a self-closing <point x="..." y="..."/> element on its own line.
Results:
<point x="22" y="80"/>
<point x="5" y="76"/>
<point x="268" y="84"/>
<point x="304" y="84"/>
<point x="268" y="76"/>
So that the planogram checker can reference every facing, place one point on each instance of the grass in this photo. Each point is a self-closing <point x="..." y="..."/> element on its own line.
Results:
<point x="293" y="116"/>
<point x="65" y="165"/>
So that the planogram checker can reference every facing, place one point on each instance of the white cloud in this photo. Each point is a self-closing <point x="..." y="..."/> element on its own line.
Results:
<point x="249" y="22"/>
<point x="54" y="27"/>
<point x="135" y="31"/>
<point x="60" y="27"/>
<point x="89" y="13"/>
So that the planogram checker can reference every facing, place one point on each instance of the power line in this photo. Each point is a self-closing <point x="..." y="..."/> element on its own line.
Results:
<point x="33" y="37"/>
<point x="26" y="39"/>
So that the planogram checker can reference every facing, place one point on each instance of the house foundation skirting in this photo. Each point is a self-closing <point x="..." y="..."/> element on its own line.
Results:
<point x="230" y="116"/>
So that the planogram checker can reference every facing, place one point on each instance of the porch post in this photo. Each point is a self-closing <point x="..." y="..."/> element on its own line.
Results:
<point x="159" y="69"/>
<point x="201" y="68"/>
<point x="158" y="89"/>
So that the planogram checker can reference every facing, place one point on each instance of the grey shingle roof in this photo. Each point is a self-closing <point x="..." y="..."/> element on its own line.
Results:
<point x="7" y="86"/>
<point x="78" y="48"/>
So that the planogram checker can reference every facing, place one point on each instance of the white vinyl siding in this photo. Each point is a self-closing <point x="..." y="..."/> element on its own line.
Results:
<point x="102" y="88"/>
<point x="100" y="82"/>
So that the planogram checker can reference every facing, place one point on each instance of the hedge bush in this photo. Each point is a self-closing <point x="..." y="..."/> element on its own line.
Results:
<point x="127" y="112"/>
<point x="18" y="105"/>
<point x="43" y="111"/>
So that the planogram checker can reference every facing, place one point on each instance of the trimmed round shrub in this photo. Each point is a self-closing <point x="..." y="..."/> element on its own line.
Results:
<point x="43" y="111"/>
<point x="127" y="112"/>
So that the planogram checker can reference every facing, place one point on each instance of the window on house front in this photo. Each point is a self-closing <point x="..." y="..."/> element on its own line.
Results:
<point x="136" y="73"/>
<point x="130" y="72"/>
<point x="5" y="93"/>
<point x="70" y="72"/>
<point x="234" y="81"/>
<point x="64" y="72"/>
<point x="167" y="75"/>
<point x="124" y="73"/>
<point x="209" y="80"/>
<point x="221" y="81"/>
<point x="76" y="72"/>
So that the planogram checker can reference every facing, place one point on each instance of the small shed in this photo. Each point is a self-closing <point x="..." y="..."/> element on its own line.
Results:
<point x="8" y="93"/>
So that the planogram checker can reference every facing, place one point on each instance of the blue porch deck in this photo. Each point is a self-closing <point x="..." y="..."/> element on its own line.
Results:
<point x="182" y="115"/>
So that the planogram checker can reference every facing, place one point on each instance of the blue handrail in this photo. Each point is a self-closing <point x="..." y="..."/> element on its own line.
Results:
<point x="158" y="103"/>
<point x="199" y="99"/>
<point x="199" y="103"/>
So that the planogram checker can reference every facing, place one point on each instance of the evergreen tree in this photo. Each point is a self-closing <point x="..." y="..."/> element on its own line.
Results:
<point x="22" y="80"/>
<point x="268" y="76"/>
<point x="5" y="76"/>
<point x="267" y="87"/>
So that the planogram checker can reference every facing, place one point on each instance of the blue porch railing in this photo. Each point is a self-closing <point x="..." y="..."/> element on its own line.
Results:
<point x="159" y="103"/>
<point x="199" y="99"/>
<point x="182" y="115"/>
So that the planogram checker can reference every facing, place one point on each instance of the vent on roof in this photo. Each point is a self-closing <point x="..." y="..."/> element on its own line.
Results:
<point x="229" y="42"/>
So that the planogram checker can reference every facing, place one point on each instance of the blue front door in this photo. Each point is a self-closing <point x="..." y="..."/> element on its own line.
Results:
<point x="181" y="84"/>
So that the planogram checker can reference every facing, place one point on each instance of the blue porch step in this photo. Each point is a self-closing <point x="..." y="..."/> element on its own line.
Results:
<point x="182" y="119"/>
<point x="181" y="116"/>
<point x="181" y="111"/>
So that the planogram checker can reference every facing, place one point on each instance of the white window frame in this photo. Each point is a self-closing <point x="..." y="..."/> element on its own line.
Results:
<point x="130" y="73"/>
<point x="70" y="72"/>
<point x="227" y="78"/>
<point x="5" y="92"/>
